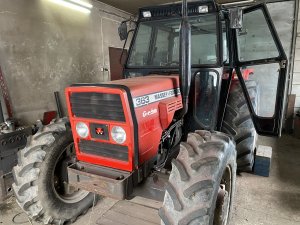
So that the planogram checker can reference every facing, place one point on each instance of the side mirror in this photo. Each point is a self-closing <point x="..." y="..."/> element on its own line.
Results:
<point x="122" y="30"/>
<point x="236" y="18"/>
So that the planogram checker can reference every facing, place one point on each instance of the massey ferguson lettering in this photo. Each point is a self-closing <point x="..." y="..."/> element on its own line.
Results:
<point x="151" y="98"/>
<point x="165" y="94"/>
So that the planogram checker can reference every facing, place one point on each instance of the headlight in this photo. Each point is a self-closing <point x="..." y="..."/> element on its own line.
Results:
<point x="82" y="130"/>
<point x="118" y="134"/>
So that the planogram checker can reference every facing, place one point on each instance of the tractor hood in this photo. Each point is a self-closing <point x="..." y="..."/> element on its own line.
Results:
<point x="143" y="106"/>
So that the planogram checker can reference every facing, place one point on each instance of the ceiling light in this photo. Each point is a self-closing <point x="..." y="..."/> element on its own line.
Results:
<point x="82" y="3"/>
<point x="71" y="6"/>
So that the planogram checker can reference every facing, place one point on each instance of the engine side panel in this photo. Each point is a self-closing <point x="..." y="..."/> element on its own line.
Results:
<point x="147" y="93"/>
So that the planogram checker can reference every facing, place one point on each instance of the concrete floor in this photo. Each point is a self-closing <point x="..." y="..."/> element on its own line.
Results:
<point x="274" y="200"/>
<point x="259" y="200"/>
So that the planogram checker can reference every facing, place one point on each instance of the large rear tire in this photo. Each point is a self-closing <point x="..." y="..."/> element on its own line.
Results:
<point x="238" y="123"/>
<point x="40" y="178"/>
<point x="202" y="181"/>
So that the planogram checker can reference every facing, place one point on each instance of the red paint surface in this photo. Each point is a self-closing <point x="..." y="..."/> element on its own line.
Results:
<point x="150" y="127"/>
<point x="245" y="73"/>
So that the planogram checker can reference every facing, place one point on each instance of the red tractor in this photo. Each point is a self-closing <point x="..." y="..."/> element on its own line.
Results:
<point x="172" y="119"/>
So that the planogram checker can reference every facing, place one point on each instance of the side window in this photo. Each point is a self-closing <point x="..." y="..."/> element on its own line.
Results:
<point x="161" y="48"/>
<point x="255" y="42"/>
<point x="140" y="51"/>
<point x="261" y="68"/>
<point x="207" y="87"/>
<point x="225" y="45"/>
<point x="204" y="40"/>
<point x="175" y="53"/>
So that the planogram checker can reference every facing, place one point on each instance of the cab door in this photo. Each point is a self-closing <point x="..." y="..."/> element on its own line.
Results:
<point x="257" y="48"/>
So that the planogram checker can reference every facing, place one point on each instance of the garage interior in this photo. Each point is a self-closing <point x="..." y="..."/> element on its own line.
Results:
<point x="46" y="46"/>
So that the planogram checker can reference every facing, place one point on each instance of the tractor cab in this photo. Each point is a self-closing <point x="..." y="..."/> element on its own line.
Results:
<point x="226" y="44"/>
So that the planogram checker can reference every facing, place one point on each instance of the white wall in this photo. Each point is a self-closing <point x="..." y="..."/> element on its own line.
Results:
<point x="296" y="76"/>
<point x="45" y="47"/>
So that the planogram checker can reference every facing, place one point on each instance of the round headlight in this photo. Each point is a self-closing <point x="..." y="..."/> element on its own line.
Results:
<point x="82" y="130"/>
<point x="118" y="134"/>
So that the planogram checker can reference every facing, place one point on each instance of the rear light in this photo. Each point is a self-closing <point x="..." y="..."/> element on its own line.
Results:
<point x="82" y="130"/>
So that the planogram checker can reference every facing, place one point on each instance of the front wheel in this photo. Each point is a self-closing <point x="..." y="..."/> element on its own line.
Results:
<point x="202" y="181"/>
<point x="41" y="186"/>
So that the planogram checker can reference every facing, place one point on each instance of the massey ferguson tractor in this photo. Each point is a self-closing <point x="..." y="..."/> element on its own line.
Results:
<point x="175" y="123"/>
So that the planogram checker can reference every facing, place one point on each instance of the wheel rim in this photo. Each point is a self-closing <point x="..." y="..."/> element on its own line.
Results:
<point x="222" y="210"/>
<point x="60" y="186"/>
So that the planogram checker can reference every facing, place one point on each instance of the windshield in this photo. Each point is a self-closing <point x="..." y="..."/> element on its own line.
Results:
<point x="157" y="42"/>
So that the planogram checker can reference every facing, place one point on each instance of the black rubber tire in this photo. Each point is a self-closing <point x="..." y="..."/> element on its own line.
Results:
<point x="238" y="123"/>
<point x="192" y="190"/>
<point x="33" y="185"/>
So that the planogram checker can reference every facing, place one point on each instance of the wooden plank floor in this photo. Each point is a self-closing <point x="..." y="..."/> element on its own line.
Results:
<point x="138" y="211"/>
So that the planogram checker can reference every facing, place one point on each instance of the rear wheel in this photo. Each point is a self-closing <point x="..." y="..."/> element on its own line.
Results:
<point x="202" y="182"/>
<point x="238" y="123"/>
<point x="41" y="186"/>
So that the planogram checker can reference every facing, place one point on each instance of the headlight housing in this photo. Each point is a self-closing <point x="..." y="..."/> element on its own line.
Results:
<point x="118" y="134"/>
<point x="82" y="130"/>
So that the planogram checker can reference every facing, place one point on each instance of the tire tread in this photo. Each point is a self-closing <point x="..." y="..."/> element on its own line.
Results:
<point x="26" y="172"/>
<point x="238" y="123"/>
<point x="196" y="195"/>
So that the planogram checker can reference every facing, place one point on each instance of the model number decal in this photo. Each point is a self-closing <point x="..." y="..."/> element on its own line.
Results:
<point x="154" y="97"/>
<point x="140" y="101"/>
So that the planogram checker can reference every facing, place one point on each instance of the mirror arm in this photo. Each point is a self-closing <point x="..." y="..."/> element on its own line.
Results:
<point x="124" y="45"/>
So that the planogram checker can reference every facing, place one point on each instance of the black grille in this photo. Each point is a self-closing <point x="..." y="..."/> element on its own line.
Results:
<point x="170" y="10"/>
<point x="97" y="106"/>
<point x="104" y="149"/>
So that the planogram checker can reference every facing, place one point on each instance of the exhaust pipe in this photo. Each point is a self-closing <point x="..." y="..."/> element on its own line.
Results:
<point x="185" y="58"/>
<point x="58" y="105"/>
